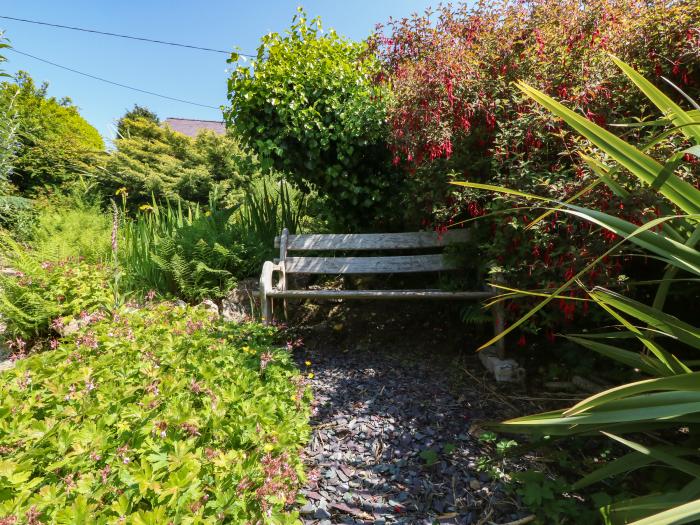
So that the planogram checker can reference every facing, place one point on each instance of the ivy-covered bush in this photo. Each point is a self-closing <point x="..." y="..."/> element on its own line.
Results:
<point x="151" y="160"/>
<point x="455" y="113"/>
<point x="55" y="144"/>
<point x="151" y="416"/>
<point x="308" y="103"/>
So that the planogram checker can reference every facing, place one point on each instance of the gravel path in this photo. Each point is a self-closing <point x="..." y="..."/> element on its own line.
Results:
<point x="391" y="441"/>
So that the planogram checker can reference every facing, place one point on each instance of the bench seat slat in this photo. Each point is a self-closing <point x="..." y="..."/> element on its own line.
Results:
<point x="368" y="265"/>
<point x="373" y="241"/>
<point x="378" y="294"/>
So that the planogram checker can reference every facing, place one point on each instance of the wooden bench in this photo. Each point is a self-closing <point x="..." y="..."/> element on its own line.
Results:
<point x="384" y="264"/>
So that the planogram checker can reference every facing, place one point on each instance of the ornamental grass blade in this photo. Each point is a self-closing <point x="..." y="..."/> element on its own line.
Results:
<point x="668" y="107"/>
<point x="644" y="167"/>
<point x="627" y="463"/>
<point x="663" y="322"/>
<point x="671" y="458"/>
<point x="632" y="359"/>
<point x="686" y="513"/>
<point x="674" y="365"/>
<point x="604" y="173"/>
<point x="678" y="383"/>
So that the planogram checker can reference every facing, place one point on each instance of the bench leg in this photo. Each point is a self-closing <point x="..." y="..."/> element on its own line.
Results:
<point x="265" y="287"/>
<point x="499" y="320"/>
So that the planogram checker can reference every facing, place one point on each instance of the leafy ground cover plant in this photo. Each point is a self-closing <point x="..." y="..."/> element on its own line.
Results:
<point x="668" y="399"/>
<point x="153" y="415"/>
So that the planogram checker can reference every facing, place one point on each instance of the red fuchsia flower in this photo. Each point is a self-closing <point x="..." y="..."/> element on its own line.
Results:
<point x="522" y="341"/>
<point x="53" y="344"/>
<point x="94" y="456"/>
<point x="57" y="324"/>
<point x="8" y="520"/>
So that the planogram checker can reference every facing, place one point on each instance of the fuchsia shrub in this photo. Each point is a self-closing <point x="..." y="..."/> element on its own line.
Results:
<point x="454" y="113"/>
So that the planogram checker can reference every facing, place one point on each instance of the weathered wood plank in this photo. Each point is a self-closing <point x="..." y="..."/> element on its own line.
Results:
<point x="378" y="294"/>
<point x="373" y="241"/>
<point x="368" y="265"/>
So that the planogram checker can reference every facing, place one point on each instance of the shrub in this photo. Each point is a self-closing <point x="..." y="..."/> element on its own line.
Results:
<point x="455" y="113"/>
<point x="43" y="291"/>
<point x="157" y="415"/>
<point x="56" y="144"/>
<point x="307" y="103"/>
<point x="135" y="113"/>
<point x="151" y="160"/>
<point x="670" y="398"/>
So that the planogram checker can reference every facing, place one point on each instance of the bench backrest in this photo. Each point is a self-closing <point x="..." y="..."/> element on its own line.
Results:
<point x="367" y="242"/>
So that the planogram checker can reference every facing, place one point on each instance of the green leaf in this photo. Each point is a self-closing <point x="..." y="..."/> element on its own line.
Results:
<point x="647" y="169"/>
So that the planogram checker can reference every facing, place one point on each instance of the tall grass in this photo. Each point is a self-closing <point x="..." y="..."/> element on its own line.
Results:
<point x="265" y="212"/>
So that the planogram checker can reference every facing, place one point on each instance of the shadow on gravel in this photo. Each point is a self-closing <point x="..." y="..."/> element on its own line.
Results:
<point x="391" y="440"/>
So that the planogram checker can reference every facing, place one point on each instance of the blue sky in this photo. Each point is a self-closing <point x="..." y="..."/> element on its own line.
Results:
<point x="180" y="73"/>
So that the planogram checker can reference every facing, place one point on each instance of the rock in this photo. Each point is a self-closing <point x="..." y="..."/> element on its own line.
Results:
<point x="322" y="514"/>
<point x="209" y="306"/>
<point x="6" y="365"/>
<point x="474" y="484"/>
<point x="180" y="304"/>
<point x="504" y="370"/>
<point x="309" y="508"/>
<point x="239" y="303"/>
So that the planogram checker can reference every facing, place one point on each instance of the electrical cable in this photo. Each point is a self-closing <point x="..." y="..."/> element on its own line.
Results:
<point x="163" y="42"/>
<point x="15" y="50"/>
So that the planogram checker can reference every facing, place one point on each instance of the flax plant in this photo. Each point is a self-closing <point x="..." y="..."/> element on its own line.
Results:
<point x="668" y="397"/>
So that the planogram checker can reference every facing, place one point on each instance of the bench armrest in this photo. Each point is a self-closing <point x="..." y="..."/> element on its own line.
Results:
<point x="266" y="287"/>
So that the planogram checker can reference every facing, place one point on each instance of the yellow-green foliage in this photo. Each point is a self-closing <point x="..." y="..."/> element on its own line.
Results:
<point x="151" y="160"/>
<point x="55" y="143"/>
<point x="154" y="416"/>
<point x="72" y="229"/>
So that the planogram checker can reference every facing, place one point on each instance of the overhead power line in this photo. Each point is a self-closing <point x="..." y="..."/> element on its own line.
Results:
<point x="15" y="50"/>
<point x="130" y="37"/>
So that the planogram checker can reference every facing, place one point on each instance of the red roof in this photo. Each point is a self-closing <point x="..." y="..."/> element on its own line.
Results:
<point x="191" y="127"/>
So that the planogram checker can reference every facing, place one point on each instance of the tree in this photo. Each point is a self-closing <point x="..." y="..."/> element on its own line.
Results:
<point x="134" y="113"/>
<point x="8" y="152"/>
<point x="154" y="160"/>
<point x="56" y="144"/>
<point x="307" y="104"/>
